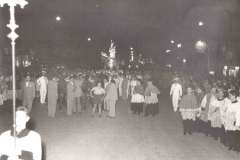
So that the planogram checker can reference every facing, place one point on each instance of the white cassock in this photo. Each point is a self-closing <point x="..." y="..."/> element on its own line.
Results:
<point x="175" y="92"/>
<point x="42" y="81"/>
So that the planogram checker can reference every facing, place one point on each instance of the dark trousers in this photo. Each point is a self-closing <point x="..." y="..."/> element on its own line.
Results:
<point x="83" y="101"/>
<point x="188" y="126"/>
<point x="237" y="141"/>
<point x="223" y="136"/>
<point x="137" y="107"/>
<point x="61" y="101"/>
<point x="198" y="124"/>
<point x="206" y="128"/>
<point x="152" y="109"/>
<point x="232" y="138"/>
<point x="216" y="132"/>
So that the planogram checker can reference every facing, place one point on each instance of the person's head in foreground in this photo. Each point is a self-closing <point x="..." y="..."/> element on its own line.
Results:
<point x="22" y="117"/>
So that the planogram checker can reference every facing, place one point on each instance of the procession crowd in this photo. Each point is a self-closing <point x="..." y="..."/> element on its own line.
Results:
<point x="207" y="104"/>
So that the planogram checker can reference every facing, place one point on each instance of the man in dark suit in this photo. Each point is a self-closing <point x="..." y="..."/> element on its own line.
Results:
<point x="28" y="93"/>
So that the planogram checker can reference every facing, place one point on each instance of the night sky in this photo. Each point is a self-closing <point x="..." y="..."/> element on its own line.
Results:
<point x="146" y="25"/>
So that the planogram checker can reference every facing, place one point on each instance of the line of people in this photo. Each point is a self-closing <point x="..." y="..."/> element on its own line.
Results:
<point x="215" y="113"/>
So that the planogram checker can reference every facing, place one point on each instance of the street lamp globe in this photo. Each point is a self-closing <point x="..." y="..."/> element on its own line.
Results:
<point x="200" y="46"/>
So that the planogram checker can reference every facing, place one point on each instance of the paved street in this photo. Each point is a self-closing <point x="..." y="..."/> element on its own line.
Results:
<point x="127" y="137"/>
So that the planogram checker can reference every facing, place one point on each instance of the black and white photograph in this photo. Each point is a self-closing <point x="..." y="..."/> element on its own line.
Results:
<point x="119" y="79"/>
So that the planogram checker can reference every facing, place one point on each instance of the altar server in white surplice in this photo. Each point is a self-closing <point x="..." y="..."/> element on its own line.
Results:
<point x="176" y="93"/>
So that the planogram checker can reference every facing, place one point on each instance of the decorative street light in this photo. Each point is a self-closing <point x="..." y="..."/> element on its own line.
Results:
<point x="179" y="45"/>
<point x="172" y="41"/>
<point x="200" y="47"/>
<point x="13" y="36"/>
<point x="200" y="23"/>
<point x="184" y="64"/>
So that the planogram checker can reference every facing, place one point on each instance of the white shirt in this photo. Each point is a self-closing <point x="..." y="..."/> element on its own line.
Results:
<point x="98" y="90"/>
<point x="176" y="89"/>
<point x="42" y="81"/>
<point x="30" y="143"/>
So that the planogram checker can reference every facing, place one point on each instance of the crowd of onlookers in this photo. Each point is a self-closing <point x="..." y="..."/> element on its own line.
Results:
<point x="70" y="89"/>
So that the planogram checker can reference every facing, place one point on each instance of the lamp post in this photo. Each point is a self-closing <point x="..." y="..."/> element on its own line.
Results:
<point x="200" y="47"/>
<point x="13" y="36"/>
<point x="184" y="64"/>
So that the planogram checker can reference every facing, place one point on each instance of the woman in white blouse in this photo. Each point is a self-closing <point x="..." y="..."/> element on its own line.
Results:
<point x="99" y="94"/>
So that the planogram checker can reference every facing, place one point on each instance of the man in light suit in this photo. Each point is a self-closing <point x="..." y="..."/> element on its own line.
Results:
<point x="176" y="93"/>
<point x="43" y="81"/>
<point x="112" y="97"/>
<point x="106" y="88"/>
<point x="52" y="96"/>
<point x="28" y="93"/>
<point x="71" y="88"/>
<point x="77" y="108"/>
<point x="120" y="78"/>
